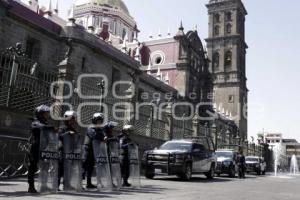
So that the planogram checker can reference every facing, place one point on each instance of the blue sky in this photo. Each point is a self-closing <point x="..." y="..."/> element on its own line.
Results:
<point x="272" y="34"/>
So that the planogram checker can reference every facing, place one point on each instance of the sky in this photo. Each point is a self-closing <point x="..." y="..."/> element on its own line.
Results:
<point x="272" y="34"/>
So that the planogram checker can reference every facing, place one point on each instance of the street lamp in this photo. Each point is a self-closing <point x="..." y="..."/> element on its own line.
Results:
<point x="246" y="143"/>
<point x="102" y="87"/>
<point x="238" y="140"/>
<point x="214" y="130"/>
<point x="228" y="133"/>
<point x="155" y="102"/>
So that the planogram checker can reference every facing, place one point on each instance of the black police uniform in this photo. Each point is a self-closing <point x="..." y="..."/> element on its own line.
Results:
<point x="93" y="133"/>
<point x="64" y="130"/>
<point x="34" y="140"/>
<point x="242" y="165"/>
<point x="125" y="141"/>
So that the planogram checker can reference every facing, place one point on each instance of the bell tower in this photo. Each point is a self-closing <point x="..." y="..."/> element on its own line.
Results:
<point x="226" y="48"/>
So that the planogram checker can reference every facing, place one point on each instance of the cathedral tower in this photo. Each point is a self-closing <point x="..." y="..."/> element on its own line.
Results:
<point x="226" y="48"/>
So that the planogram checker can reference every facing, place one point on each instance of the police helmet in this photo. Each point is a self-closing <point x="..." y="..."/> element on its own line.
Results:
<point x="41" y="109"/>
<point x="127" y="129"/>
<point x="97" y="117"/>
<point x="111" y="125"/>
<point x="70" y="114"/>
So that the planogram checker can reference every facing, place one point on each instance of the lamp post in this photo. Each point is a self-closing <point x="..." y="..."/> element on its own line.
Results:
<point x="183" y="127"/>
<point x="246" y="143"/>
<point x="155" y="102"/>
<point x="238" y="140"/>
<point x="214" y="130"/>
<point x="102" y="88"/>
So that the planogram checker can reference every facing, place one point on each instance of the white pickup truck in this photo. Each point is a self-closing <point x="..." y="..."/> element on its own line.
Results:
<point x="256" y="164"/>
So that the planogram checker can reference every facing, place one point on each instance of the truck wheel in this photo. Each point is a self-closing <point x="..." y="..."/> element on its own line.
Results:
<point x="211" y="173"/>
<point x="187" y="175"/>
<point x="149" y="175"/>
<point x="258" y="172"/>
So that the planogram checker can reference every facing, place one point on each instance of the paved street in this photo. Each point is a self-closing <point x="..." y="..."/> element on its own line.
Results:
<point x="258" y="188"/>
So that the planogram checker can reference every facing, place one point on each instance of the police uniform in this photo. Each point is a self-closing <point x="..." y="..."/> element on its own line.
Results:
<point x="33" y="156"/>
<point x="125" y="141"/>
<point x="93" y="133"/>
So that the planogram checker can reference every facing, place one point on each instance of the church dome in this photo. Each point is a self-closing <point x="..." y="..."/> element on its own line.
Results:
<point x="114" y="3"/>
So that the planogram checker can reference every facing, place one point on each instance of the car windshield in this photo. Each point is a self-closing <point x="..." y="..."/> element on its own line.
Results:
<point x="176" y="146"/>
<point x="224" y="154"/>
<point x="252" y="159"/>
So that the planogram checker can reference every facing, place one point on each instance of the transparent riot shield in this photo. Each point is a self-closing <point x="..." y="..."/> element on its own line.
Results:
<point x="48" y="163"/>
<point x="104" y="181"/>
<point x="115" y="168"/>
<point x="72" y="145"/>
<point x="134" y="161"/>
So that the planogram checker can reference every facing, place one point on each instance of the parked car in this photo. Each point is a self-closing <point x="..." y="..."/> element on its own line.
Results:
<point x="255" y="164"/>
<point x="226" y="162"/>
<point x="182" y="158"/>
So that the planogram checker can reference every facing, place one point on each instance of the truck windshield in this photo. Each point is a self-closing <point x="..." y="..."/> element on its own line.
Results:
<point x="176" y="146"/>
<point x="224" y="154"/>
<point x="252" y="159"/>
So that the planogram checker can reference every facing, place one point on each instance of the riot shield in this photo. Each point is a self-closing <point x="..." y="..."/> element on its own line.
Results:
<point x="134" y="161"/>
<point x="48" y="163"/>
<point x="104" y="181"/>
<point x="72" y="144"/>
<point x="114" y="161"/>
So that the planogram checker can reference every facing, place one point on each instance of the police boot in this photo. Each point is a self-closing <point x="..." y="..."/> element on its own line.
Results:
<point x="89" y="184"/>
<point x="126" y="184"/>
<point x="32" y="190"/>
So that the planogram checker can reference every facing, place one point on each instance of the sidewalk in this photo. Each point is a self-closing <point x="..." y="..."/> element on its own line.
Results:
<point x="17" y="189"/>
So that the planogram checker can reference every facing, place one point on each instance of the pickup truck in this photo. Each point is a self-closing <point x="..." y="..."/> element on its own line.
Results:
<point x="255" y="164"/>
<point x="182" y="158"/>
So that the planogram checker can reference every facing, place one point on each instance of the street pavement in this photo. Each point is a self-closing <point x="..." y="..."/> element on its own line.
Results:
<point x="170" y="188"/>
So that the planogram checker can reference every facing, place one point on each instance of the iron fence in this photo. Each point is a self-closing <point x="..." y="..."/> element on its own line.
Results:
<point x="23" y="86"/>
<point x="13" y="161"/>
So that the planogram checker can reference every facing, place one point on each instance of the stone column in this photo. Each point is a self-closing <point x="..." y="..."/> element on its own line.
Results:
<point x="65" y="73"/>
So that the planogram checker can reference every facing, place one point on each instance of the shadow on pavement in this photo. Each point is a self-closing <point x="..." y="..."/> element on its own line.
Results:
<point x="195" y="179"/>
<point x="147" y="189"/>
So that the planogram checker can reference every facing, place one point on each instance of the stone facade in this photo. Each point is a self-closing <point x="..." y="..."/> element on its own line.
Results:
<point x="227" y="51"/>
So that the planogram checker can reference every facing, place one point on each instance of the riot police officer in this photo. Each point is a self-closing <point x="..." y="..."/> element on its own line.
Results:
<point x="241" y="164"/>
<point x="41" y="120"/>
<point x="68" y="128"/>
<point x="95" y="132"/>
<point x="109" y="130"/>
<point x="125" y="141"/>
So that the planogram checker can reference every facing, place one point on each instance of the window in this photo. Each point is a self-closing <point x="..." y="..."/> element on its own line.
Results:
<point x="228" y="59"/>
<point x="140" y="95"/>
<point x="228" y="28"/>
<point x="228" y="16"/>
<point x="216" y="60"/>
<point x="158" y="60"/>
<point x="83" y="67"/>
<point x="217" y="18"/>
<point x="116" y="76"/>
<point x="124" y="34"/>
<point x="231" y="99"/>
<point x="217" y="30"/>
<point x="33" y="48"/>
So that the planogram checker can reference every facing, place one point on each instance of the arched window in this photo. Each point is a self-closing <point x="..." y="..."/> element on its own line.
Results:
<point x="228" y="28"/>
<point x="228" y="59"/>
<point x="228" y="16"/>
<point x="216" y="60"/>
<point x="217" y="18"/>
<point x="217" y="30"/>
